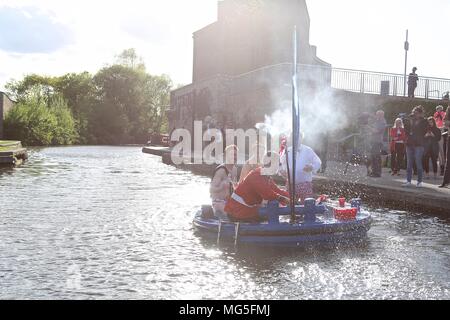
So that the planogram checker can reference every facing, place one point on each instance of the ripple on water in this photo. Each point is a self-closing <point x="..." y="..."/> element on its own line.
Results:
<point x="111" y="222"/>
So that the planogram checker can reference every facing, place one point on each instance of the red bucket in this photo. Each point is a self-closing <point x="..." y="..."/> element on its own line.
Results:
<point x="345" y="213"/>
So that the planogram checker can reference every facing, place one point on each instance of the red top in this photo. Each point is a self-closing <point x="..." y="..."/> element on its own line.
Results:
<point x="439" y="117"/>
<point x="396" y="137"/>
<point x="253" y="190"/>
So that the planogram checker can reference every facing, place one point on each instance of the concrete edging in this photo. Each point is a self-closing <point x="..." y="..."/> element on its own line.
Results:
<point x="394" y="197"/>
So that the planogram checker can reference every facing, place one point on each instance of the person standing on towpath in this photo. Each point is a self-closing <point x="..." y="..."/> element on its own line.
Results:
<point x="416" y="127"/>
<point x="412" y="83"/>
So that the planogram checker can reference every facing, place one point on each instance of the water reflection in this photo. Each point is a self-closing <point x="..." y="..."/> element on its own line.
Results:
<point x="111" y="222"/>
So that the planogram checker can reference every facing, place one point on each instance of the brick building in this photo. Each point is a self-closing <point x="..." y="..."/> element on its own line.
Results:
<point x="5" y="105"/>
<point x="242" y="64"/>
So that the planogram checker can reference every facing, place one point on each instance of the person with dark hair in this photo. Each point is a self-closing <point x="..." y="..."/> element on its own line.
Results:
<point x="431" y="151"/>
<point x="412" y="82"/>
<point x="446" y="181"/>
<point x="398" y="136"/>
<point x="415" y="128"/>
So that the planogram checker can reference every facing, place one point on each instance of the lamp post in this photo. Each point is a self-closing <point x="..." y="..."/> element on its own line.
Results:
<point x="406" y="61"/>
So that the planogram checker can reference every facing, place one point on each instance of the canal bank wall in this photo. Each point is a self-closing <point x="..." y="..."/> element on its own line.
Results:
<point x="12" y="153"/>
<point x="353" y="182"/>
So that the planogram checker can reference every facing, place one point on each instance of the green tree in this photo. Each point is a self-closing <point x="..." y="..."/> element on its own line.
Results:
<point x="79" y="90"/>
<point x="131" y="104"/>
<point x="32" y="84"/>
<point x="159" y="99"/>
<point x="122" y="103"/>
<point x="65" y="131"/>
<point x="129" y="58"/>
<point x="38" y="122"/>
<point x="119" y="101"/>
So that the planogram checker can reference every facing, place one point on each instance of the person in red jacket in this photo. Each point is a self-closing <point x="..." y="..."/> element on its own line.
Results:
<point x="398" y="138"/>
<point x="439" y="117"/>
<point x="247" y="199"/>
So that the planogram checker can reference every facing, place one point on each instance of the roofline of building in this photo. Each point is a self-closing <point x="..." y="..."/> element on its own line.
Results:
<point x="205" y="28"/>
<point x="326" y="66"/>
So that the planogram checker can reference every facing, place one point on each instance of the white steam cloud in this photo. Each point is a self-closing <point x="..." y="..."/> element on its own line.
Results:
<point x="320" y="114"/>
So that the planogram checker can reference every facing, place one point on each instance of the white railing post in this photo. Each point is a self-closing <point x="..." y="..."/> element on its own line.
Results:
<point x="394" y="89"/>
<point x="363" y="77"/>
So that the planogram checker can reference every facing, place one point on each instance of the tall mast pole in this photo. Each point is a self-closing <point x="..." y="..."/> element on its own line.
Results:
<point x="295" y="127"/>
<point x="406" y="61"/>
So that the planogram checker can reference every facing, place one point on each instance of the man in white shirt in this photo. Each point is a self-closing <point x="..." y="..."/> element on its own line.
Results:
<point x="307" y="163"/>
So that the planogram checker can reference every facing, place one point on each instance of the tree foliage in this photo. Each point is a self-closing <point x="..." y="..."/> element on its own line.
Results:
<point x="35" y="120"/>
<point x="120" y="104"/>
<point x="32" y="84"/>
<point x="129" y="58"/>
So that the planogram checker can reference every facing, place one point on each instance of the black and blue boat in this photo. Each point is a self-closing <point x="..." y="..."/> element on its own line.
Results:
<point x="314" y="224"/>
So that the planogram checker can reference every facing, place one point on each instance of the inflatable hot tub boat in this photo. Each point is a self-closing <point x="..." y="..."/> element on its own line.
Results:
<point x="315" y="224"/>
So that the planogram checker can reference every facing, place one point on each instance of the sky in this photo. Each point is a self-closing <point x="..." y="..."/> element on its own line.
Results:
<point x="54" y="37"/>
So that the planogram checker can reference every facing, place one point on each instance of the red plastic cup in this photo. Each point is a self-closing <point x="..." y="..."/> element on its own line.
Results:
<point x="342" y="202"/>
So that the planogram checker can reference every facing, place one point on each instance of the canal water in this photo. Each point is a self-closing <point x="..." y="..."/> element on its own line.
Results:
<point x="113" y="223"/>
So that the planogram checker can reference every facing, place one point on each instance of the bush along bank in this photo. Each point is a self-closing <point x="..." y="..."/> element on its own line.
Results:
<point x="41" y="121"/>
<point x="121" y="104"/>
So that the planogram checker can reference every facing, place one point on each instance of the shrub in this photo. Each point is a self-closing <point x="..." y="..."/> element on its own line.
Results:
<point x="37" y="121"/>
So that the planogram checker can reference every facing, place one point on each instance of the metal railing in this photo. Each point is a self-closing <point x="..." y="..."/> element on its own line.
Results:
<point x="388" y="84"/>
<point x="359" y="150"/>
<point x="370" y="82"/>
<point x="357" y="144"/>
